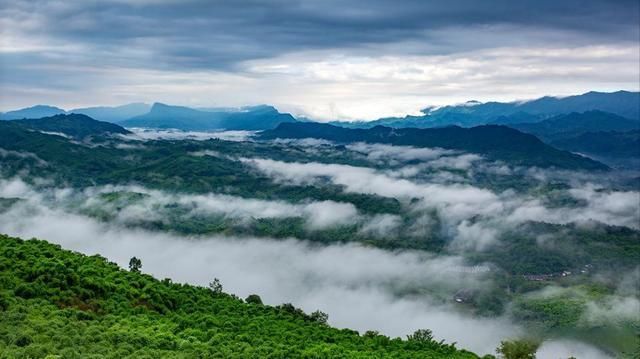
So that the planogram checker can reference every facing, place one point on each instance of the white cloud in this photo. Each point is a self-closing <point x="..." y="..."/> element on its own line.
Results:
<point x="173" y="134"/>
<point x="477" y="236"/>
<point x="457" y="203"/>
<point x="329" y="213"/>
<point x="317" y="214"/>
<point x="15" y="188"/>
<point x="384" y="153"/>
<point x="349" y="282"/>
<point x="382" y="225"/>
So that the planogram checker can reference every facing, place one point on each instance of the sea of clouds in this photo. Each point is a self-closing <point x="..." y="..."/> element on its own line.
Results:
<point x="359" y="287"/>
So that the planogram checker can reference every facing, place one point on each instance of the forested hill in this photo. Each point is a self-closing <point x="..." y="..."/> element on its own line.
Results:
<point x="73" y="125"/>
<point x="493" y="141"/>
<point x="65" y="304"/>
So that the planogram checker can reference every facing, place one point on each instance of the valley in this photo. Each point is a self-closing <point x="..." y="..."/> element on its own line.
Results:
<point x="443" y="231"/>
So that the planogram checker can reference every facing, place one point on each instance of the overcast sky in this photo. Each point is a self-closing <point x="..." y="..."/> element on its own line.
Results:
<point x="359" y="59"/>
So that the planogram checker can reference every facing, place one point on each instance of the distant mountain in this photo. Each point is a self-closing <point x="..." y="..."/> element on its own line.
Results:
<point x="567" y="126"/>
<point x="165" y="116"/>
<point x="621" y="103"/>
<point x="615" y="148"/>
<point x="473" y="113"/>
<point x="493" y="141"/>
<point x="184" y="118"/>
<point x="74" y="125"/>
<point x="37" y="111"/>
<point x="255" y="118"/>
<point x="114" y="114"/>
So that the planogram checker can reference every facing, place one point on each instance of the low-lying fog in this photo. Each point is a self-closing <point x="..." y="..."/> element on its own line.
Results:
<point x="352" y="283"/>
<point x="143" y="134"/>
<point x="358" y="287"/>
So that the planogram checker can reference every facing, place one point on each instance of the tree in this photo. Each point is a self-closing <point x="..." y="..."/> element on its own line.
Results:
<point x="320" y="317"/>
<point x="421" y="335"/>
<point x="254" y="299"/>
<point x="135" y="264"/>
<point x="517" y="349"/>
<point x="216" y="286"/>
<point x="371" y="333"/>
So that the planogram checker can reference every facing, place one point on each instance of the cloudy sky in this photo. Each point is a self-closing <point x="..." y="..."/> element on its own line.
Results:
<point x="326" y="59"/>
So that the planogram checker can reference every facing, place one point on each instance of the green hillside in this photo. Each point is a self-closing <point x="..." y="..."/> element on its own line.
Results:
<point x="56" y="303"/>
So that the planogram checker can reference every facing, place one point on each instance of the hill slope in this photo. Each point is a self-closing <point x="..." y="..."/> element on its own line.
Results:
<point x="56" y="302"/>
<point x="74" y="125"/>
<point x="188" y="119"/>
<point x="496" y="142"/>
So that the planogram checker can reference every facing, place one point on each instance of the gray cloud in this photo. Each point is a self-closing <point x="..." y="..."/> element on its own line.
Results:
<point x="173" y="33"/>
<point x="396" y="57"/>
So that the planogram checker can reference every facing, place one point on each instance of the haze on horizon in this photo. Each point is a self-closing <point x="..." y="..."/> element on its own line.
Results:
<point x="321" y="59"/>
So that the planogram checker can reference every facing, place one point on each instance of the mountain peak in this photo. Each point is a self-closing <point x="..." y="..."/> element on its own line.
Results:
<point x="36" y="111"/>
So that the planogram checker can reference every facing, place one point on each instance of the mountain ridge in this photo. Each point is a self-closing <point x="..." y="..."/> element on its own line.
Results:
<point x="495" y="141"/>
<point x="622" y="103"/>
<point x="575" y="123"/>
<point x="113" y="114"/>
<point x="165" y="116"/>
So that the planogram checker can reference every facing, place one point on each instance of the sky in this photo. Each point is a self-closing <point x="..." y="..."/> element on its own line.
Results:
<point x="358" y="59"/>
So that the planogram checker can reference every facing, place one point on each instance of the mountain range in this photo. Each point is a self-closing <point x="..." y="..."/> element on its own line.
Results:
<point x="622" y="103"/>
<point x="158" y="115"/>
<point x="250" y="118"/>
<point x="574" y="123"/>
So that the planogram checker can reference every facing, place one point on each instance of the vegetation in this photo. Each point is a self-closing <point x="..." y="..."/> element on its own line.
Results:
<point x="56" y="303"/>
<point x="517" y="349"/>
